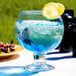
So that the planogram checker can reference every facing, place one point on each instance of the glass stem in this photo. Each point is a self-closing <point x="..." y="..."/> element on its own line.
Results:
<point x="39" y="59"/>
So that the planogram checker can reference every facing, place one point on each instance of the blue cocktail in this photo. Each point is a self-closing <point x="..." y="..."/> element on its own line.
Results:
<point x="38" y="35"/>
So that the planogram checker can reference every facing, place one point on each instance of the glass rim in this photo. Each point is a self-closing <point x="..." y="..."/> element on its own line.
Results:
<point x="32" y="12"/>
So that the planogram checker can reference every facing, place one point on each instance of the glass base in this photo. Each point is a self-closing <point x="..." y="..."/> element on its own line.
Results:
<point x="39" y="68"/>
<point x="24" y="71"/>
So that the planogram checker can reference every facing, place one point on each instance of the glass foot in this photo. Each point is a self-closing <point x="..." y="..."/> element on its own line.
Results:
<point x="24" y="71"/>
<point x="39" y="68"/>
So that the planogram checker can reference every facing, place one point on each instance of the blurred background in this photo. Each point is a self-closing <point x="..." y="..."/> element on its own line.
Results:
<point x="10" y="10"/>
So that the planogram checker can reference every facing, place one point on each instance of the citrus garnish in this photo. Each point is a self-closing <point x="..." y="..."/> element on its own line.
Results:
<point x="53" y="10"/>
<point x="61" y="8"/>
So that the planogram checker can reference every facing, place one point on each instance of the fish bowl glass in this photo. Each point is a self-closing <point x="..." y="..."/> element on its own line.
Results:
<point x="37" y="34"/>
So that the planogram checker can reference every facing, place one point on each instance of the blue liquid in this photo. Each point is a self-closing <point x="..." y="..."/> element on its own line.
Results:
<point x="39" y="35"/>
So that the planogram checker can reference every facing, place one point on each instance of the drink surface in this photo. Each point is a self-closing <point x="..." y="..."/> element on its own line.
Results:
<point x="39" y="35"/>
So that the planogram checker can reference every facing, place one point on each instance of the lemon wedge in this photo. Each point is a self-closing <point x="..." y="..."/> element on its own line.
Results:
<point x="53" y="10"/>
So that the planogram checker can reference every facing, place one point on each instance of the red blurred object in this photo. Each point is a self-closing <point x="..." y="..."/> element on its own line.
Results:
<point x="4" y="45"/>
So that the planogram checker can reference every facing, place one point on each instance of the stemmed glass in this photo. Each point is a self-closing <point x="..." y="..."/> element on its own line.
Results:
<point x="39" y="35"/>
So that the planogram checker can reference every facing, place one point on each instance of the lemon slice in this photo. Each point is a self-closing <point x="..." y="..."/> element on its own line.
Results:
<point x="53" y="10"/>
<point x="61" y="8"/>
<point x="50" y="11"/>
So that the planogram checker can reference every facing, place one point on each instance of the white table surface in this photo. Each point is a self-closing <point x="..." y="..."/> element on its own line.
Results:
<point x="64" y="64"/>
